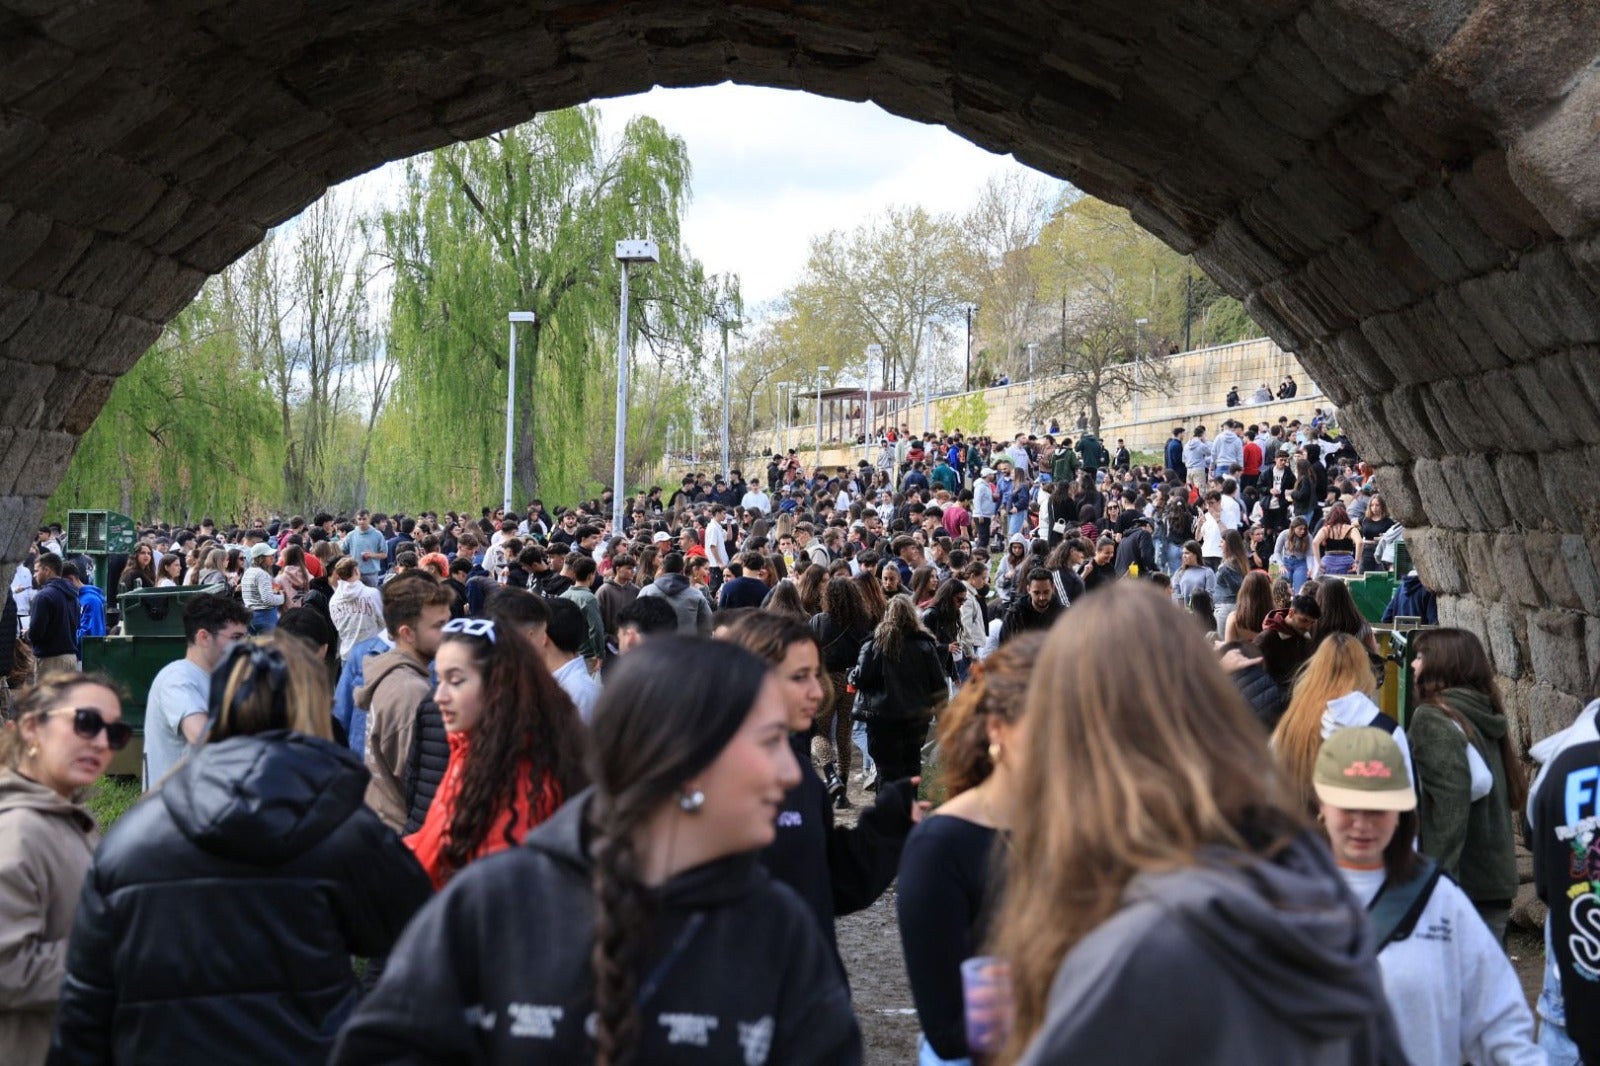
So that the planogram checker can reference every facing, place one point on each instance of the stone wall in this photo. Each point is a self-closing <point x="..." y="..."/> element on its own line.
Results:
<point x="1406" y="193"/>
<point x="1200" y="381"/>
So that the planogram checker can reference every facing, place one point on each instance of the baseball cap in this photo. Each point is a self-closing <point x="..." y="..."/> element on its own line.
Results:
<point x="660" y="537"/>
<point x="1361" y="769"/>
<point x="261" y="549"/>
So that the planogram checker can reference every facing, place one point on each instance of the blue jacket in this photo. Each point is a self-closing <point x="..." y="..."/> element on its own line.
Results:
<point x="351" y="677"/>
<point x="1174" y="455"/>
<point x="1413" y="599"/>
<point x="91" y="612"/>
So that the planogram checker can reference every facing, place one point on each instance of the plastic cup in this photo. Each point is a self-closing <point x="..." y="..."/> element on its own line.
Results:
<point x="986" y="990"/>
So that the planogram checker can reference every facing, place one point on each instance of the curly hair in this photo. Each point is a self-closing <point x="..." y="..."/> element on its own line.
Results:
<point x="528" y="721"/>
<point x="996" y="688"/>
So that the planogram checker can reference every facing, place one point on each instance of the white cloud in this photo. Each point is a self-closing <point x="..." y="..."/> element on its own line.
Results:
<point x="774" y="168"/>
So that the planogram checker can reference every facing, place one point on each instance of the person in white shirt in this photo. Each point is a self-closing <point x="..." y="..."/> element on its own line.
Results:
<point x="717" y="539"/>
<point x="179" y="705"/>
<point x="755" y="499"/>
<point x="356" y="609"/>
<point x="1211" y="530"/>
<point x="1451" y="989"/>
<point x="565" y="633"/>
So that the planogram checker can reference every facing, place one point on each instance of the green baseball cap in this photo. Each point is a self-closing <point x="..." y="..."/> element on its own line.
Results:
<point x="1361" y="769"/>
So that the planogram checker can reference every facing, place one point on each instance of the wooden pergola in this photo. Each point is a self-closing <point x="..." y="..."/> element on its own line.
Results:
<point x="844" y="415"/>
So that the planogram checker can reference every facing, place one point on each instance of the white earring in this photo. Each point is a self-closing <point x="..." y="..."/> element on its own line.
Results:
<point x="691" y="802"/>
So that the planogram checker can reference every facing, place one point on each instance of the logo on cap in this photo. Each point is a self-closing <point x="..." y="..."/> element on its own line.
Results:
<point x="1370" y="768"/>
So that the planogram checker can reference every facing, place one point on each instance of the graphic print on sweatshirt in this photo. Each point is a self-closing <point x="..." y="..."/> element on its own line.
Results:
<point x="1580" y="794"/>
<point x="540" y="1021"/>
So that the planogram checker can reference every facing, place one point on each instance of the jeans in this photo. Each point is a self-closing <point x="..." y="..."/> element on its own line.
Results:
<point x="1171" y="556"/>
<point x="858" y="737"/>
<point x="1014" y="523"/>
<point x="371" y="580"/>
<point x="1219" y="614"/>
<point x="1294" y="567"/>
<point x="263" y="621"/>
<point x="1558" y="1048"/>
<point x="926" y="1056"/>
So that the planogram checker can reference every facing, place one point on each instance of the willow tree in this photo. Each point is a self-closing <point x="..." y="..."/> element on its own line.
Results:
<point x="527" y="220"/>
<point x="190" y="431"/>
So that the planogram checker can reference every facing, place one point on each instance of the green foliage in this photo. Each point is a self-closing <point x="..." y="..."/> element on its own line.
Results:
<point x="110" y="799"/>
<point x="527" y="219"/>
<point x="968" y="413"/>
<point x="191" y="430"/>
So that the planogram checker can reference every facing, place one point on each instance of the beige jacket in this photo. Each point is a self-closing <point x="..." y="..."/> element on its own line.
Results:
<point x="395" y="686"/>
<point x="46" y="844"/>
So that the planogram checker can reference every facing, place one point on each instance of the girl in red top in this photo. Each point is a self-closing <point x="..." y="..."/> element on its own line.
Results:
<point x="516" y="747"/>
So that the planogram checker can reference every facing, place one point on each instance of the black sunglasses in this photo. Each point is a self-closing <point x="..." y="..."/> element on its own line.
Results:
<point x="87" y="723"/>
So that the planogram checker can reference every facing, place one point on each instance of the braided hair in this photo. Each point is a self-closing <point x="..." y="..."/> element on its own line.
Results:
<point x="668" y="709"/>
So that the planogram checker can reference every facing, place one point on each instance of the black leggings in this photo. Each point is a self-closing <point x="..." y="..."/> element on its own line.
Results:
<point x="897" y="747"/>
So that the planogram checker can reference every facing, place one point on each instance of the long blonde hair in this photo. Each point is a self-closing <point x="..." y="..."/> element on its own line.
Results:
<point x="1132" y="765"/>
<point x="1339" y="667"/>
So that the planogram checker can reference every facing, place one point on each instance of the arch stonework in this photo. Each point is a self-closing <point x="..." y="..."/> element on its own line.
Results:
<point x="1405" y="192"/>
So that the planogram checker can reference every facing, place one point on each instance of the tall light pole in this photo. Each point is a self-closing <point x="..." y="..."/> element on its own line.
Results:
<point x="874" y="351"/>
<point x="927" y="379"/>
<point x="1033" y="386"/>
<point x="821" y="370"/>
<point x="967" y="381"/>
<point x="628" y="252"/>
<point x="1138" y="325"/>
<point x="511" y="395"/>
<point x="786" y="399"/>
<point x="726" y="326"/>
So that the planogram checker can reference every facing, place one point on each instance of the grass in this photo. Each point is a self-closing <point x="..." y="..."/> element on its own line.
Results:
<point x="110" y="799"/>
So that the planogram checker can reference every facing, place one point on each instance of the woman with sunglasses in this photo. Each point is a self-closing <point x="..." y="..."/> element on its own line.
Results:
<point x="61" y="742"/>
<point x="516" y="746"/>
<point x="637" y="924"/>
<point x="220" y="914"/>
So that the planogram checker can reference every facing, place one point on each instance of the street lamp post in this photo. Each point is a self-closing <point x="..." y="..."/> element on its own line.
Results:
<point x="1033" y="386"/>
<point x="785" y="399"/>
<point x="966" y="382"/>
<point x="821" y="370"/>
<point x="511" y="396"/>
<point x="1138" y="359"/>
<point x="628" y="252"/>
<point x="726" y="326"/>
<point x="927" y="379"/>
<point x="874" y="351"/>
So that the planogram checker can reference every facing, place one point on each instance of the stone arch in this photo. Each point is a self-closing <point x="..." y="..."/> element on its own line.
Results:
<point x="1403" y="191"/>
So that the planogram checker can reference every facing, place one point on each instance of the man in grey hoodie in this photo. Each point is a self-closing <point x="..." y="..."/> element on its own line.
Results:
<point x="694" y="611"/>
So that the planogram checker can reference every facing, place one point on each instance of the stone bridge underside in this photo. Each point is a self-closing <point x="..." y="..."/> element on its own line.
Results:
<point x="1406" y="192"/>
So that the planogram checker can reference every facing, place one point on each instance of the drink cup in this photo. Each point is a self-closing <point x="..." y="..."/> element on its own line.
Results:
<point x="986" y="989"/>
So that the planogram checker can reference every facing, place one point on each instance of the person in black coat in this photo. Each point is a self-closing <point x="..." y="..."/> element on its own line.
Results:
<point x="1248" y="671"/>
<point x="901" y="680"/>
<point x="1137" y="547"/>
<point x="220" y="915"/>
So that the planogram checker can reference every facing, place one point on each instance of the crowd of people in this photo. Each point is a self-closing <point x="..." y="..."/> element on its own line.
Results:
<point x="506" y="787"/>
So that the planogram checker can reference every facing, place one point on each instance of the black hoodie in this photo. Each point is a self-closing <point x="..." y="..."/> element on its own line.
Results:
<point x="218" y="920"/>
<point x="496" y="968"/>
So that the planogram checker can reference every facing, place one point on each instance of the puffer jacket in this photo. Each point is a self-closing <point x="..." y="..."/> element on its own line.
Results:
<point x="46" y="843"/>
<point x="905" y="689"/>
<point x="426" y="764"/>
<point x="218" y="920"/>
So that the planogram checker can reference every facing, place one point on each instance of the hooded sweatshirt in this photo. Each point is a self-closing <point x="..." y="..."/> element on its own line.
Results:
<point x="53" y="625"/>
<point x="219" y="917"/>
<point x="496" y="969"/>
<point x="1355" y="708"/>
<point x="1564" y="820"/>
<point x="46" y="843"/>
<point x="694" y="612"/>
<point x="396" y="683"/>
<point x="1465" y="830"/>
<point x="91" y="612"/>
<point x="1236" y="959"/>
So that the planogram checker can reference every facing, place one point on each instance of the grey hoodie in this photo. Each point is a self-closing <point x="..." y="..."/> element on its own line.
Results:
<point x="1237" y="959"/>
<point x="694" y="610"/>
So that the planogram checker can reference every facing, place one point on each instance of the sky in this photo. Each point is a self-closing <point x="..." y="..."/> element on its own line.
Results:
<point x="774" y="168"/>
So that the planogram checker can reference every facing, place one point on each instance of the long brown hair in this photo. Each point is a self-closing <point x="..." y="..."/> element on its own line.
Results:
<point x="770" y="635"/>
<point x="872" y="596"/>
<point x="1338" y="668"/>
<point x="1454" y="658"/>
<point x="271" y="681"/>
<point x="996" y="688"/>
<point x="527" y="719"/>
<point x="1130" y="766"/>
<point x="1255" y="601"/>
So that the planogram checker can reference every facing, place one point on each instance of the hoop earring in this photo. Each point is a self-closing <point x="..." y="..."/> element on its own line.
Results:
<point x="691" y="802"/>
<point x="995" y="751"/>
<point x="32" y="751"/>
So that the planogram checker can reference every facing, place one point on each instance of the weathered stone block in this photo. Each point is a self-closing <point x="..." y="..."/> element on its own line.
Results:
<point x="1546" y="561"/>
<point x="1438" y="557"/>
<point x="19" y="517"/>
<point x="1400" y="493"/>
<point x="46" y="464"/>
<point x="1556" y="163"/>
<point x="1556" y="648"/>
<point x="1438" y="494"/>
<point x="1516" y="578"/>
<point x="1483" y="571"/>
<point x="1501" y="637"/>
<point x="1518" y="478"/>
<point x="1585" y="578"/>
<point x="1550" y="710"/>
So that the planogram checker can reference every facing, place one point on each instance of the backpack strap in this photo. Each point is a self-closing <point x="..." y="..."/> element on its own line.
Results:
<point x="1384" y="722"/>
<point x="1397" y="907"/>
